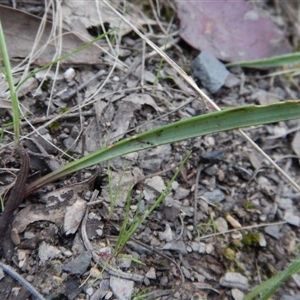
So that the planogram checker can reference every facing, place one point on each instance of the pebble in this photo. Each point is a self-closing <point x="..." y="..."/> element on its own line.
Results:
<point x="89" y="291"/>
<point x="79" y="265"/>
<point x="209" y="248"/>
<point x="262" y="240"/>
<point x="214" y="196"/>
<point x="237" y="294"/>
<point x="212" y="156"/>
<point x="273" y="231"/>
<point x="202" y="248"/>
<point x="151" y="274"/>
<point x="69" y="143"/>
<point x="285" y="203"/>
<point x="122" y="288"/>
<point x="47" y="251"/>
<point x="166" y="235"/>
<point x="291" y="218"/>
<point x="234" y="280"/>
<point x="95" y="273"/>
<point x="69" y="74"/>
<point x="164" y="281"/>
<point x="221" y="224"/>
<point x="176" y="246"/>
<point x="210" y="71"/>
<point x="124" y="262"/>
<point x="232" y="81"/>
<point x="149" y="77"/>
<point x="233" y="222"/>
<point x="181" y="193"/>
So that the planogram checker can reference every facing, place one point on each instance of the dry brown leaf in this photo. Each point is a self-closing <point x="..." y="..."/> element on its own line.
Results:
<point x="89" y="16"/>
<point x="21" y="32"/>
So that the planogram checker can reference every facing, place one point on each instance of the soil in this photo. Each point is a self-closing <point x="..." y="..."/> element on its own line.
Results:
<point x="229" y="222"/>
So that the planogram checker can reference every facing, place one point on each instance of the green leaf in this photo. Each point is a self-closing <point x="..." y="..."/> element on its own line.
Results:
<point x="197" y="126"/>
<point x="276" y="61"/>
<point x="268" y="287"/>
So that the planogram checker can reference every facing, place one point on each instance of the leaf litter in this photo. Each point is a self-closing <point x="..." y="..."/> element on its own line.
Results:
<point x="202" y="255"/>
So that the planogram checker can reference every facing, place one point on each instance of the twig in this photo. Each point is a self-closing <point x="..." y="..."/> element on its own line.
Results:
<point x="16" y="196"/>
<point x="10" y="271"/>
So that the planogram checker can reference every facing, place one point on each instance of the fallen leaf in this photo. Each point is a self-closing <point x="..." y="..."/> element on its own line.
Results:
<point x="20" y="36"/>
<point x="230" y="30"/>
<point x="94" y="13"/>
<point x="73" y="216"/>
<point x="56" y="207"/>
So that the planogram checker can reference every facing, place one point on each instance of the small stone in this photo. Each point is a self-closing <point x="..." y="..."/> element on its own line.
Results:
<point x="262" y="241"/>
<point x="124" y="262"/>
<point x="234" y="280"/>
<point x="95" y="273"/>
<point x="202" y="248"/>
<point x="151" y="274"/>
<point x="221" y="224"/>
<point x="209" y="248"/>
<point x="176" y="246"/>
<point x="214" y="196"/>
<point x="210" y="71"/>
<point x="181" y="193"/>
<point x="232" y="81"/>
<point x="166" y="235"/>
<point x="291" y="218"/>
<point x="233" y="222"/>
<point x="285" y="203"/>
<point x="149" y="77"/>
<point x="80" y="264"/>
<point x="164" y="281"/>
<point x="69" y="143"/>
<point x="237" y="294"/>
<point x="122" y="288"/>
<point x="47" y="252"/>
<point x="69" y="74"/>
<point x="89" y="291"/>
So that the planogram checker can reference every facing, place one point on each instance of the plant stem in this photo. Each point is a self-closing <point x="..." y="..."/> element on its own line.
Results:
<point x="12" y="89"/>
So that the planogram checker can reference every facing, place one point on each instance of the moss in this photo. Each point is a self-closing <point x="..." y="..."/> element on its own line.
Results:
<point x="229" y="253"/>
<point x="64" y="110"/>
<point x="249" y="205"/>
<point x="54" y="127"/>
<point x="251" y="239"/>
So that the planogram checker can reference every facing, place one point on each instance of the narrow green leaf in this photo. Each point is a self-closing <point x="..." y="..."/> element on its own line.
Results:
<point x="268" y="287"/>
<point x="275" y="61"/>
<point x="197" y="126"/>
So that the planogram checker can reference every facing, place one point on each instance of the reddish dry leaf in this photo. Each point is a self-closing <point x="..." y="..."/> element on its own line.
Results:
<point x="20" y="30"/>
<point x="231" y="30"/>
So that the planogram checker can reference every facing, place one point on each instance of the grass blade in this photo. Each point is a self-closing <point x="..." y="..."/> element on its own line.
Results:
<point x="275" y="61"/>
<point x="268" y="288"/>
<point x="197" y="126"/>
<point x="12" y="89"/>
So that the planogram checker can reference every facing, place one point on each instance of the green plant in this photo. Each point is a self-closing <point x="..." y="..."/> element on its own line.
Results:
<point x="201" y="125"/>
<point x="54" y="127"/>
<point x="126" y="231"/>
<point x="251" y="239"/>
<point x="249" y="205"/>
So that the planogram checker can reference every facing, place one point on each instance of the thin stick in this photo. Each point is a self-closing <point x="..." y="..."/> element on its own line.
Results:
<point x="10" y="271"/>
